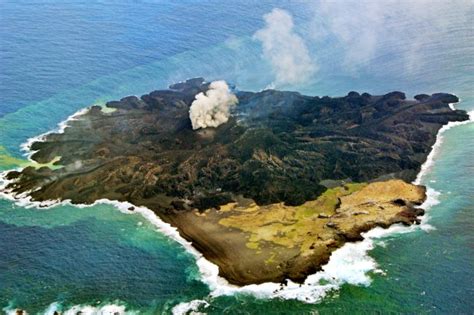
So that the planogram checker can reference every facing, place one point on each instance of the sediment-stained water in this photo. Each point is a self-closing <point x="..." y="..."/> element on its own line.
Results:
<point x="57" y="59"/>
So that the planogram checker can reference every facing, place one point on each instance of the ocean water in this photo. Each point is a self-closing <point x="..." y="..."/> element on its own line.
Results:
<point x="58" y="58"/>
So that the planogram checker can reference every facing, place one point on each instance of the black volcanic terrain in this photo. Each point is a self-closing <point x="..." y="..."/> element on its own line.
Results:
<point x="278" y="148"/>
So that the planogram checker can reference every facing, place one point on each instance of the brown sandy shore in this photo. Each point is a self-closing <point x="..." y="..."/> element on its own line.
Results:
<point x="266" y="197"/>
<point x="256" y="244"/>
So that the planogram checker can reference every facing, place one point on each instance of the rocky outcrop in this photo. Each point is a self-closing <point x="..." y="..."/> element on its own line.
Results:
<point x="277" y="148"/>
<point x="294" y="241"/>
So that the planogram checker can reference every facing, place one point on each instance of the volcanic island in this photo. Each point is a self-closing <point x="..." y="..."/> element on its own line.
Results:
<point x="269" y="192"/>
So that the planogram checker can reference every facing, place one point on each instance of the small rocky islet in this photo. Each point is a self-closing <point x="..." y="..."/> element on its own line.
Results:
<point x="267" y="195"/>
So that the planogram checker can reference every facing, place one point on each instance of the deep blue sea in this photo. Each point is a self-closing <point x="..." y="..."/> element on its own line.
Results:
<point x="57" y="58"/>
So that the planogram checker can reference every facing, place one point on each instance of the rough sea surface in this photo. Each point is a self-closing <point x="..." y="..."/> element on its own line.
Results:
<point x="58" y="58"/>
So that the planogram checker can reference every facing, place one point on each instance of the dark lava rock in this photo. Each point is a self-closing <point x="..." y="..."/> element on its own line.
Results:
<point x="277" y="147"/>
<point x="421" y="97"/>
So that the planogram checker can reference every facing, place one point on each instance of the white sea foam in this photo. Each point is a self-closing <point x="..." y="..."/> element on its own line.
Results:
<point x="192" y="306"/>
<point x="9" y="310"/>
<point x="432" y="199"/>
<point x="26" y="147"/>
<point x="349" y="264"/>
<point x="425" y="168"/>
<point x="101" y="309"/>
<point x="53" y="307"/>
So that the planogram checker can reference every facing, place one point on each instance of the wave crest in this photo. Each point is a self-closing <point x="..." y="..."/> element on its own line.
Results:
<point x="349" y="264"/>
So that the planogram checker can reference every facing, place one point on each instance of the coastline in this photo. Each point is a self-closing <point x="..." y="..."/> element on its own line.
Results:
<point x="425" y="167"/>
<point x="55" y="308"/>
<point x="26" y="146"/>
<point x="311" y="291"/>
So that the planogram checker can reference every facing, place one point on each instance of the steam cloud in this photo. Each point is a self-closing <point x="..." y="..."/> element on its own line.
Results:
<point x="212" y="108"/>
<point x="286" y="50"/>
<point x="368" y="30"/>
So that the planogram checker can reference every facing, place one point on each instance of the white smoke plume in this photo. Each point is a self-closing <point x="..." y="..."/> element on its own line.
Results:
<point x="402" y="30"/>
<point x="285" y="49"/>
<point x="212" y="108"/>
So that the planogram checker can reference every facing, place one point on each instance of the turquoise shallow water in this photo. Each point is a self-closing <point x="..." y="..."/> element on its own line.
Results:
<point x="56" y="59"/>
<point x="89" y="256"/>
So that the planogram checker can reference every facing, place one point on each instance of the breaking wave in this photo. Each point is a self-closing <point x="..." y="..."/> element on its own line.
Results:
<point x="430" y="160"/>
<point x="115" y="308"/>
<point x="349" y="264"/>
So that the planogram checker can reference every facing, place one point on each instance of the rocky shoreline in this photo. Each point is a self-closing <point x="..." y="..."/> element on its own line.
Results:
<point x="266" y="196"/>
<point x="254" y="244"/>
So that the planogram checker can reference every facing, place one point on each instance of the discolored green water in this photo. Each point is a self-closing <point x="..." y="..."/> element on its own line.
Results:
<point x="97" y="52"/>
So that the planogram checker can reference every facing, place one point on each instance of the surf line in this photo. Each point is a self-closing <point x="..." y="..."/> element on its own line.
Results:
<point x="348" y="264"/>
